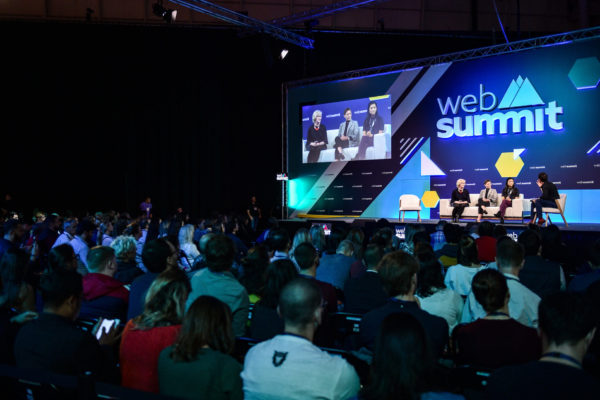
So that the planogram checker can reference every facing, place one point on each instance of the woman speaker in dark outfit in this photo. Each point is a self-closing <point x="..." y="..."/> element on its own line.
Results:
<point x="316" y="139"/>
<point x="459" y="200"/>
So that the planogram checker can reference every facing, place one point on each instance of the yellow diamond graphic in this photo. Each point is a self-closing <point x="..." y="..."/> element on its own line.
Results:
<point x="430" y="199"/>
<point x="508" y="166"/>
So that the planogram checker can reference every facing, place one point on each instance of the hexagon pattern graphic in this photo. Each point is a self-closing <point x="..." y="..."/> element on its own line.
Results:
<point x="508" y="165"/>
<point x="430" y="199"/>
<point x="585" y="73"/>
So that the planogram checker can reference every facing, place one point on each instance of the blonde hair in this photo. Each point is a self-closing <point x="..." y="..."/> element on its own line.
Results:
<point x="458" y="182"/>
<point x="125" y="248"/>
<point x="302" y="235"/>
<point x="186" y="234"/>
<point x="316" y="113"/>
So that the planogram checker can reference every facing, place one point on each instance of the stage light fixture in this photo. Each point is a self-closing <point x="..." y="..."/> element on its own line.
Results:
<point x="167" y="14"/>
<point x="283" y="54"/>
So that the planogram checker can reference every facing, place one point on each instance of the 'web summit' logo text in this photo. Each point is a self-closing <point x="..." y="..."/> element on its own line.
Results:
<point x="520" y="93"/>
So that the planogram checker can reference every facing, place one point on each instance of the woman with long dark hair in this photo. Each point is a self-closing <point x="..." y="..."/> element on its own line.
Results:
<point x="198" y="364"/>
<point x="509" y="193"/>
<point x="373" y="125"/>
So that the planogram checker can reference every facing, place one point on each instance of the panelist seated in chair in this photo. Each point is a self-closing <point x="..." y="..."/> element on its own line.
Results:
<point x="509" y="193"/>
<point x="373" y="125"/>
<point x="316" y="137"/>
<point x="348" y="136"/>
<point x="547" y="199"/>
<point x="459" y="200"/>
<point x="487" y="197"/>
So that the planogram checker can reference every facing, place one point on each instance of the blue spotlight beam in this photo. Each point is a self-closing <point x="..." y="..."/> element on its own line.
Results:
<point x="321" y="11"/>
<point x="225" y="14"/>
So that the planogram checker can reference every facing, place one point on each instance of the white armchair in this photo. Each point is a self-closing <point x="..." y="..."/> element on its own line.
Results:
<point x="410" y="202"/>
<point x="559" y="209"/>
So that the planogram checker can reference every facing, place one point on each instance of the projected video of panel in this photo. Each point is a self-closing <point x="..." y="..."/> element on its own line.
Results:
<point x="358" y="129"/>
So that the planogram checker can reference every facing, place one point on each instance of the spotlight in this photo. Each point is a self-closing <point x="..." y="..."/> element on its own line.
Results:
<point x="283" y="53"/>
<point x="160" y="11"/>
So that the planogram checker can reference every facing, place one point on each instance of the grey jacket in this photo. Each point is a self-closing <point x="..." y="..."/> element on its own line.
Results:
<point x="492" y="195"/>
<point x="353" y="132"/>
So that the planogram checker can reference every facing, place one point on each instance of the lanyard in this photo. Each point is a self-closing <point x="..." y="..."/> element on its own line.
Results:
<point x="562" y="356"/>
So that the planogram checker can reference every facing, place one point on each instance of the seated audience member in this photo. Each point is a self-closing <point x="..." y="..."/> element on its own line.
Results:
<point x="366" y="292"/>
<point x="403" y="366"/>
<point x="438" y="240"/>
<point x="156" y="328"/>
<point x="317" y="235"/>
<point x="62" y="257"/>
<point x="198" y="364"/>
<point x="495" y="340"/>
<point x="266" y="322"/>
<point x="448" y="254"/>
<point x="357" y="237"/>
<point x="302" y="235"/>
<point x="279" y="243"/>
<point x="14" y="233"/>
<point x="201" y="259"/>
<point x="68" y="233"/>
<point x="335" y="268"/>
<point x="581" y="282"/>
<point x="254" y="267"/>
<point x="125" y="249"/>
<point x="48" y="234"/>
<point x="567" y="327"/>
<point x="486" y="242"/>
<point x="398" y="271"/>
<point x="232" y="231"/>
<point x="523" y="303"/>
<point x="289" y="366"/>
<point x="459" y="277"/>
<point x="307" y="258"/>
<point x="83" y="236"/>
<point x="407" y="245"/>
<point x="541" y="276"/>
<point x="499" y="231"/>
<point x="218" y="281"/>
<point x="433" y="295"/>
<point x="158" y="255"/>
<point x="553" y="248"/>
<point x="103" y="295"/>
<point x="54" y="343"/>
<point x="186" y="244"/>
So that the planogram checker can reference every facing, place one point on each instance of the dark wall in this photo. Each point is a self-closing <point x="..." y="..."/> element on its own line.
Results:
<point x="97" y="117"/>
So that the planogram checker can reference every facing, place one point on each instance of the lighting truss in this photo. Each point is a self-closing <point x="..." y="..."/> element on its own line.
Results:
<point x="235" y="18"/>
<point x="319" y="12"/>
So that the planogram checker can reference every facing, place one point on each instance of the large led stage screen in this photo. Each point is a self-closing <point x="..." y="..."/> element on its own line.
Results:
<point x="509" y="115"/>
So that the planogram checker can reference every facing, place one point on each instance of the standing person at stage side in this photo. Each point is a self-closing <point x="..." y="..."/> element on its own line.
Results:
<point x="373" y="125"/>
<point x="146" y="207"/>
<point x="316" y="138"/>
<point x="487" y="197"/>
<point x="348" y="136"/>
<point x="547" y="199"/>
<point x="459" y="200"/>
<point x="509" y="193"/>
<point x="254" y="213"/>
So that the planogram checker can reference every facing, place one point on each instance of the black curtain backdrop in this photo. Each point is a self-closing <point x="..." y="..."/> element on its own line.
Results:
<point x="97" y="117"/>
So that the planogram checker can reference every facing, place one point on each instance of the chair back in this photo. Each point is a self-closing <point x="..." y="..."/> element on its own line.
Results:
<point x="562" y="201"/>
<point x="409" y="200"/>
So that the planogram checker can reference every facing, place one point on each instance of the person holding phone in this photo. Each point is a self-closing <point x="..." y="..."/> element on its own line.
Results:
<point x="547" y="199"/>
<point x="316" y="138"/>
<point x="373" y="125"/>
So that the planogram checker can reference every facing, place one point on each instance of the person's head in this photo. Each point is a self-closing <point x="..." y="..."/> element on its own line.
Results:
<point x="486" y="228"/>
<point x="510" y="182"/>
<point x="346" y="247"/>
<point x="148" y="200"/>
<point x="398" y="272"/>
<point x="509" y="256"/>
<point x="440" y="225"/>
<point x="62" y="257"/>
<point x="206" y="323"/>
<point x="499" y="231"/>
<point x="53" y="222"/>
<point x="70" y="226"/>
<point x="372" y="108"/>
<point x="348" y="114"/>
<point x="306" y="256"/>
<point x="204" y="240"/>
<point x="566" y="319"/>
<point x="62" y="291"/>
<point x="186" y="234"/>
<point x="164" y="304"/>
<point x="317" y="235"/>
<point x="402" y="363"/>
<point x="452" y="233"/>
<point x="278" y="274"/>
<point x="279" y="240"/>
<point x="300" y="303"/>
<point x="316" y="117"/>
<point x="487" y="183"/>
<point x="429" y="277"/>
<point x="159" y="255"/>
<point x="133" y="230"/>
<point x="14" y="230"/>
<point x="220" y="253"/>
<point x="125" y="248"/>
<point x="102" y="260"/>
<point x="409" y="232"/>
<point x="357" y="236"/>
<point x="460" y="183"/>
<point x="467" y="251"/>
<point x="490" y="289"/>
<point x="302" y="235"/>
<point x="85" y="229"/>
<point x="373" y="254"/>
<point x="420" y="237"/>
<point x="543" y="177"/>
<point x="531" y="242"/>
<point x="13" y="269"/>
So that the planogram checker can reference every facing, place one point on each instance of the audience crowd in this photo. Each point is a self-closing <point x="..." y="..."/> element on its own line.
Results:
<point x="234" y="307"/>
